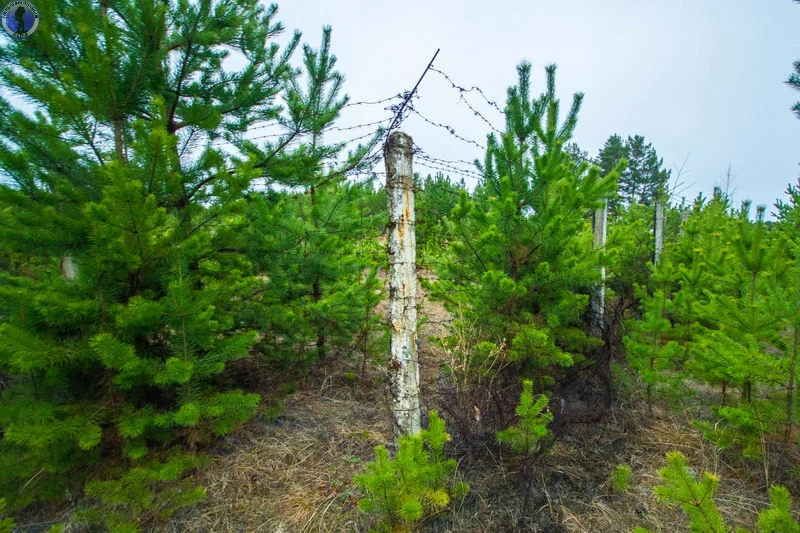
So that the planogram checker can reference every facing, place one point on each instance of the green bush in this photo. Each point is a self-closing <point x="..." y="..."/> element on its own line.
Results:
<point x="621" y="479"/>
<point x="150" y="491"/>
<point x="6" y="524"/>
<point x="518" y="277"/>
<point x="139" y="258"/>
<point x="530" y="434"/>
<point x="696" y="498"/>
<point x="417" y="484"/>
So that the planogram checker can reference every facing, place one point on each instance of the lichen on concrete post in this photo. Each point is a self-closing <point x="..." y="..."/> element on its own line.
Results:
<point x="403" y="362"/>
<point x="600" y="221"/>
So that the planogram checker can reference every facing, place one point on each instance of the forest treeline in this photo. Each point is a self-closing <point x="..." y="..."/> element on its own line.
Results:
<point x="151" y="252"/>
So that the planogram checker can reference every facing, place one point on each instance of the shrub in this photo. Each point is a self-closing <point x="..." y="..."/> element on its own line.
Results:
<point x="528" y="436"/>
<point x="696" y="498"/>
<point x="150" y="491"/>
<point x="6" y="524"/>
<point x="417" y="484"/>
<point x="621" y="479"/>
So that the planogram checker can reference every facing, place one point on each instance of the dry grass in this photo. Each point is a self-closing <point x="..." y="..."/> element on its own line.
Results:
<point x="294" y="475"/>
<point x="587" y="457"/>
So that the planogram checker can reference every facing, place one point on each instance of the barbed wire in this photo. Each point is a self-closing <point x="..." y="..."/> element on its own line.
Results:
<point x="473" y="88"/>
<point x="332" y="128"/>
<point x="423" y="188"/>
<point x="426" y="163"/>
<point x="264" y="126"/>
<point x="479" y="115"/>
<point x="449" y="129"/>
<point x="278" y="122"/>
<point x="398" y="118"/>
<point x="327" y="128"/>
<point x="443" y="165"/>
<point x="400" y="112"/>
<point x="358" y="126"/>
<point x="217" y="142"/>
<point x="450" y="161"/>
<point x="376" y="102"/>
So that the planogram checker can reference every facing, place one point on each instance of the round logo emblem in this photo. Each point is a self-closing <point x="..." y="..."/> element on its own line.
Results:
<point x="20" y="19"/>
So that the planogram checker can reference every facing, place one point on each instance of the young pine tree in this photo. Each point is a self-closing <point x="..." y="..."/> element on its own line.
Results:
<point x="123" y="301"/>
<point x="645" y="179"/>
<point x="519" y="262"/>
<point x="786" y="298"/>
<point x="679" y="486"/>
<point x="731" y="312"/>
<point x="745" y="327"/>
<point x="794" y="83"/>
<point x="434" y="200"/>
<point x="529" y="435"/>
<point x="613" y="151"/>
<point x="651" y="350"/>
<point x="417" y="484"/>
<point x="304" y="232"/>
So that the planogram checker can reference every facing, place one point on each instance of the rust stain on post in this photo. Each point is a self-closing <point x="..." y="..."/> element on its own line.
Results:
<point x="401" y="246"/>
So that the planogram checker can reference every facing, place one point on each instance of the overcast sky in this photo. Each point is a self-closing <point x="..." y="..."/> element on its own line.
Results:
<point x="697" y="78"/>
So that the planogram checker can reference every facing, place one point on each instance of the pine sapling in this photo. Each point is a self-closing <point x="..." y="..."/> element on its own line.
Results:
<point x="696" y="498"/>
<point x="417" y="484"/>
<point x="529" y="437"/>
<point x="6" y="524"/>
<point x="530" y="434"/>
<point x="778" y="517"/>
<point x="621" y="479"/>
<point x="147" y="492"/>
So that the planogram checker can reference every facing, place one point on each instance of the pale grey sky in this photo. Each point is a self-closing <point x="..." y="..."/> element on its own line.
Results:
<point x="704" y="77"/>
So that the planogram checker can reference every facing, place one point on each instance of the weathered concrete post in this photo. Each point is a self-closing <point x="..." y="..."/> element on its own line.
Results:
<point x="684" y="218"/>
<point x="68" y="268"/>
<point x="403" y="362"/>
<point x="600" y="220"/>
<point x="659" y="231"/>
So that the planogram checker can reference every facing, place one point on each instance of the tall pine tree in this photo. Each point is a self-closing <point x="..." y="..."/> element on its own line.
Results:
<point x="519" y="264"/>
<point x="643" y="180"/>
<point x="125" y="291"/>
